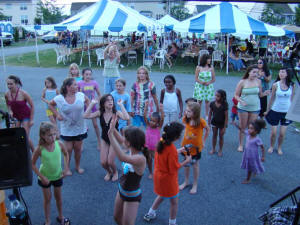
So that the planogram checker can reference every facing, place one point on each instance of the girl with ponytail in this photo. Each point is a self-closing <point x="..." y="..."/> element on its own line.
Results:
<point x="166" y="168"/>
<point x="129" y="195"/>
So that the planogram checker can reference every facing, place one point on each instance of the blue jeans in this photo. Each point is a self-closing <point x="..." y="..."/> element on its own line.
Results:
<point x="109" y="84"/>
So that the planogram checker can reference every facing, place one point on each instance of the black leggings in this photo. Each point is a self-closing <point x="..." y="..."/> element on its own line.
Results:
<point x="263" y="105"/>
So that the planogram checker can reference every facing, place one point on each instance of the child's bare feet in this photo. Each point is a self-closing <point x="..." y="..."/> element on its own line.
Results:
<point x="212" y="152"/>
<point x="80" y="170"/>
<point x="183" y="186"/>
<point x="245" y="181"/>
<point x="150" y="176"/>
<point x="193" y="190"/>
<point x="270" y="150"/>
<point x="279" y="151"/>
<point x="240" y="148"/>
<point x="115" y="176"/>
<point x="107" y="177"/>
<point x="69" y="173"/>
<point x="220" y="153"/>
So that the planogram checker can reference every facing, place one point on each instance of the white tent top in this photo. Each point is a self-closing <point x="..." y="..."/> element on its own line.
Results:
<point x="168" y="20"/>
<point x="107" y="15"/>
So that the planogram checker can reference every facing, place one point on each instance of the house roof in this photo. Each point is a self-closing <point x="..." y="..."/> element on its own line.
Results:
<point x="202" y="8"/>
<point x="78" y="6"/>
<point x="11" y="1"/>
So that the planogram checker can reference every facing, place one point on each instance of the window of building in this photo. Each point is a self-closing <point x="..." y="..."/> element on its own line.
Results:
<point x="159" y="16"/>
<point x="23" y="7"/>
<point x="146" y="13"/>
<point x="8" y="5"/>
<point x="9" y="18"/>
<point x="24" y="19"/>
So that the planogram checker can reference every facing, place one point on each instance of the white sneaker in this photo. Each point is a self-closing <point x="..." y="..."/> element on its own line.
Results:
<point x="148" y="217"/>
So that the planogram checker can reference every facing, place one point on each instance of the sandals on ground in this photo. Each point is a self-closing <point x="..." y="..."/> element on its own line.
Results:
<point x="65" y="221"/>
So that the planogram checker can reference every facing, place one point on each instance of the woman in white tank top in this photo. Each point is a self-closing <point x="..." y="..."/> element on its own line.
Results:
<point x="279" y="104"/>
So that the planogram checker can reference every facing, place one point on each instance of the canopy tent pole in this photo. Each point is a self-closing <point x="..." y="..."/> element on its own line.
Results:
<point x="82" y="49"/>
<point x="89" y="52"/>
<point x="227" y="52"/>
<point x="145" y="38"/>
<point x="37" y="49"/>
<point x="3" y="56"/>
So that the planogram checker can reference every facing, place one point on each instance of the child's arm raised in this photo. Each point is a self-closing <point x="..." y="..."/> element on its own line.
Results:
<point x="123" y="114"/>
<point x="36" y="154"/>
<point x="136" y="160"/>
<point x="66" y="158"/>
<point x="88" y="114"/>
<point x="162" y="115"/>
<point x="146" y="112"/>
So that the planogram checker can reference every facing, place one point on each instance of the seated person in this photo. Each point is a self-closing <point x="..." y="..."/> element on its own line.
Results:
<point x="235" y="60"/>
<point x="180" y="43"/>
<point x="149" y="53"/>
<point x="172" y="54"/>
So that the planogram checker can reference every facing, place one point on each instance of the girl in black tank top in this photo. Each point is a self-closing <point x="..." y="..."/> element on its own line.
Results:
<point x="105" y="113"/>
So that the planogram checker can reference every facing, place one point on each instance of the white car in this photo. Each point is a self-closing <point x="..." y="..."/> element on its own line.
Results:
<point x="7" y="38"/>
<point x="52" y="36"/>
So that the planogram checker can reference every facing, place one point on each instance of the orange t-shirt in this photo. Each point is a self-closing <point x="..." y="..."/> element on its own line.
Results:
<point x="166" y="167"/>
<point x="193" y="135"/>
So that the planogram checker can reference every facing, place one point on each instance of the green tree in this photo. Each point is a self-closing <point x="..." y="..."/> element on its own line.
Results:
<point x="272" y="14"/>
<point x="179" y="12"/>
<point x="48" y="12"/>
<point x="297" y="19"/>
<point x="2" y="16"/>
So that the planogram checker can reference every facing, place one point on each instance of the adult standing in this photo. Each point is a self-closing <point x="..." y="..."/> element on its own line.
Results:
<point x="205" y="77"/>
<point x="111" y="67"/>
<point x="172" y="54"/>
<point x="73" y="130"/>
<point x="20" y="105"/>
<point x="265" y="77"/>
<point x="262" y="46"/>
<point x="247" y="94"/>
<point x="279" y="104"/>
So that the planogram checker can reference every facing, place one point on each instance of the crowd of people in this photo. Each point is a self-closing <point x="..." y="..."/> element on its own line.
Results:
<point x="139" y="122"/>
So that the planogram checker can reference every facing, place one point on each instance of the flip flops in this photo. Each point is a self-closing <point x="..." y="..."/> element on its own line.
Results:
<point x="65" y="221"/>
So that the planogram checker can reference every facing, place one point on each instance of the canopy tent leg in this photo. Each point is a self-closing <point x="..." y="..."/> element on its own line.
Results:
<point x="82" y="49"/>
<point x="89" y="53"/>
<point x="3" y="56"/>
<point x="37" y="49"/>
<point x="227" y="53"/>
<point x="145" y="38"/>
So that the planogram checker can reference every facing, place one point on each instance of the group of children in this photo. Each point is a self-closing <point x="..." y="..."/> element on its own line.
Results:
<point x="113" y="112"/>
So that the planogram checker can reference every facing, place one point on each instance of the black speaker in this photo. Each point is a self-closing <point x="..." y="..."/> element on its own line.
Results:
<point x="15" y="159"/>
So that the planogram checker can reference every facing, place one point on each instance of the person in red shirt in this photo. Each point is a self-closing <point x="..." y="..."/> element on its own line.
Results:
<point x="234" y="113"/>
<point x="166" y="168"/>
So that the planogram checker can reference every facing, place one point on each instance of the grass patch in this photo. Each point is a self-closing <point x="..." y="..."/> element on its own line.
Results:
<point x="24" y="43"/>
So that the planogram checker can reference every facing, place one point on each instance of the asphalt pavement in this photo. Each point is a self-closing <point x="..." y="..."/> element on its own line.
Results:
<point x="221" y="198"/>
<point x="9" y="51"/>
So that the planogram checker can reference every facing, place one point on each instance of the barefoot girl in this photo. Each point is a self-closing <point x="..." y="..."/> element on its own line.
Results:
<point x="194" y="126"/>
<point x="106" y="112"/>
<point x="90" y="88"/>
<point x="49" y="92"/>
<point x="20" y="105"/>
<point x="166" y="168"/>
<point x="50" y="172"/>
<point x="218" y="118"/>
<point x="129" y="195"/>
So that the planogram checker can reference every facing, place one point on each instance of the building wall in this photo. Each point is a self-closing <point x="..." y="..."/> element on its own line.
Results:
<point x="153" y="10"/>
<point x="20" y="12"/>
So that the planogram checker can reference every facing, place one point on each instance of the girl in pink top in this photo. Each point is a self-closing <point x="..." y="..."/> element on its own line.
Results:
<point x="153" y="127"/>
<point x="20" y="105"/>
<point x="90" y="88"/>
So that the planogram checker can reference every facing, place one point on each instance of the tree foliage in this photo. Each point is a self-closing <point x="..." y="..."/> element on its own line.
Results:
<point x="179" y="12"/>
<point x="48" y="12"/>
<point x="272" y="14"/>
<point x="297" y="19"/>
<point x="2" y="16"/>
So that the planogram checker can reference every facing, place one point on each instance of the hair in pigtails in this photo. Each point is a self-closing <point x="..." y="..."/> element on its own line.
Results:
<point x="171" y="132"/>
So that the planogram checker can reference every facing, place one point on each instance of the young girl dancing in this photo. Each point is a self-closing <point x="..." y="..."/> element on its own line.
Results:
<point x="49" y="92"/>
<point x="166" y="168"/>
<point x="194" y="126"/>
<point x="90" y="88"/>
<point x="20" y="105"/>
<point x="153" y="127"/>
<point x="251" y="159"/>
<point x="74" y="72"/>
<point x="129" y="195"/>
<point x="106" y="112"/>
<point x="50" y="172"/>
<point x="170" y="97"/>
<point x="120" y="93"/>
<point x="218" y="118"/>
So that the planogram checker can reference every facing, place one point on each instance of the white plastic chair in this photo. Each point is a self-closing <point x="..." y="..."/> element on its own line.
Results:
<point x="131" y="57"/>
<point x="201" y="53"/>
<point x="217" y="56"/>
<point x="60" y="55"/>
<point x="100" y="55"/>
<point x="160" y="55"/>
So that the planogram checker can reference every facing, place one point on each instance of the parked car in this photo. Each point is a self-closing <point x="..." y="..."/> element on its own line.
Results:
<point x="7" y="38"/>
<point x="52" y="36"/>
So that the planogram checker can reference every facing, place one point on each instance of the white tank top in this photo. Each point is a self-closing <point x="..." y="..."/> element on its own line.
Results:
<point x="283" y="99"/>
<point x="170" y="102"/>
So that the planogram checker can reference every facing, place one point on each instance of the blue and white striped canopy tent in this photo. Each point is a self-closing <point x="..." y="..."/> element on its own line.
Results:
<point x="106" y="15"/>
<point x="226" y="18"/>
<point x="168" y="20"/>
